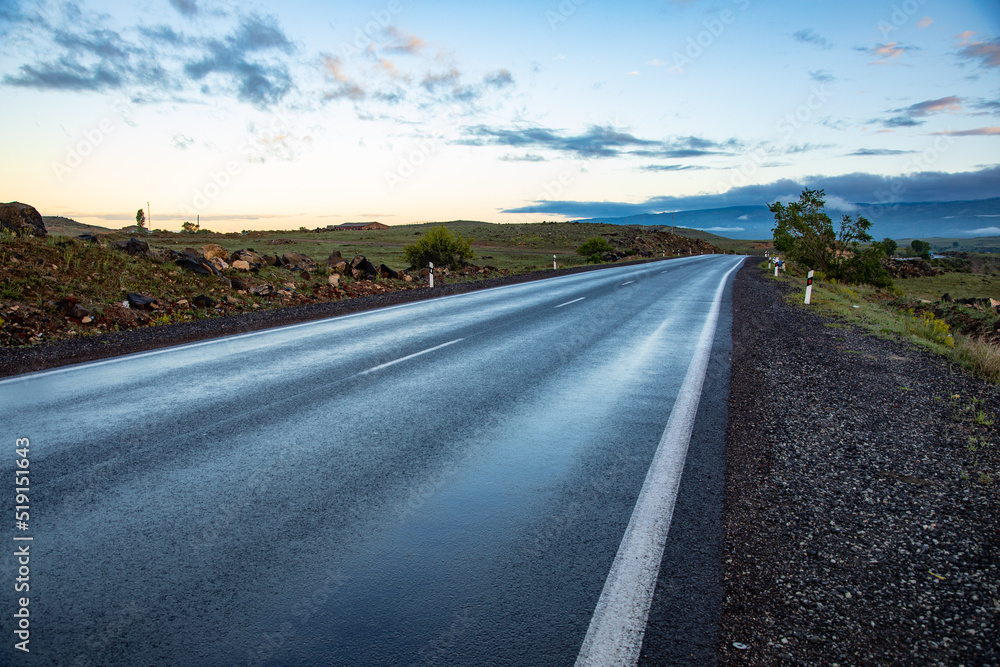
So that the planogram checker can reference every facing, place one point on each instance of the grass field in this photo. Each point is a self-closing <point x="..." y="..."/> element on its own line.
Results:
<point x="911" y="310"/>
<point x="514" y="247"/>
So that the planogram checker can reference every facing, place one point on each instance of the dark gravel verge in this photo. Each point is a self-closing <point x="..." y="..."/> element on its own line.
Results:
<point x="17" y="360"/>
<point x="852" y="536"/>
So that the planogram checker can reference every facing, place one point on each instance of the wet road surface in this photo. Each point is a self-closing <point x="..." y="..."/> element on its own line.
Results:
<point x="443" y="482"/>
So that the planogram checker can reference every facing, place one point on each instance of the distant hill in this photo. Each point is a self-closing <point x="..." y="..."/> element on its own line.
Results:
<point x="56" y="224"/>
<point x="904" y="220"/>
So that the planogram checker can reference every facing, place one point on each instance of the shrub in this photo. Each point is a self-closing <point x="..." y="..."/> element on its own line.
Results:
<point x="441" y="247"/>
<point x="593" y="248"/>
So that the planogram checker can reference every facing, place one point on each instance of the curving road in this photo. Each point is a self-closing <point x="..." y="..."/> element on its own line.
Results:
<point x="443" y="482"/>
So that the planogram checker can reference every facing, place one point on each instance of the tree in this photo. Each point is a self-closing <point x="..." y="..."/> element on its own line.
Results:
<point x="805" y="234"/>
<point x="189" y="227"/>
<point x="140" y="219"/>
<point x="922" y="248"/>
<point x="593" y="249"/>
<point x="803" y="231"/>
<point x="889" y="246"/>
<point x="441" y="247"/>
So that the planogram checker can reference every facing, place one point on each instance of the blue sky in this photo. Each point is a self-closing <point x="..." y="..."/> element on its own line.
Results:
<point x="259" y="116"/>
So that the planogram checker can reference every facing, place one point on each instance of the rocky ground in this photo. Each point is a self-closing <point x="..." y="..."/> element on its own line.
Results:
<point x="862" y="504"/>
<point x="51" y="351"/>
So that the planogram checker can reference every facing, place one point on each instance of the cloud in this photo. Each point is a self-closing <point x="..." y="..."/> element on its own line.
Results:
<point x="924" y="22"/>
<point x="885" y="53"/>
<point x="67" y="74"/>
<point x="821" y="76"/>
<point x="433" y="81"/>
<point x="186" y="7"/>
<point x="950" y="103"/>
<point x="88" y="54"/>
<point x="909" y="115"/>
<point x="900" y="121"/>
<point x="987" y="53"/>
<point x="870" y="152"/>
<point x="182" y="142"/>
<point x="498" y="79"/>
<point x="983" y="231"/>
<point x="848" y="189"/>
<point x="400" y="42"/>
<point x="596" y="142"/>
<point x="672" y="167"/>
<point x="259" y="83"/>
<point x="988" y="107"/>
<point x="810" y="37"/>
<point x="527" y="157"/>
<point x="978" y="132"/>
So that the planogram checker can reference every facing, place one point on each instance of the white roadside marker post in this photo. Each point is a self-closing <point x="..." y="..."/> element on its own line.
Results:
<point x="776" y="265"/>
<point x="553" y="262"/>
<point x="431" y="275"/>
<point x="809" y="288"/>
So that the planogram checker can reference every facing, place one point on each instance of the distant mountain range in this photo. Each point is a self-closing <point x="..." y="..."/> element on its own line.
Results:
<point x="958" y="219"/>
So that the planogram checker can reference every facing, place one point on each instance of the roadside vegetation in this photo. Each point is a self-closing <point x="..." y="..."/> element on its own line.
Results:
<point x="950" y="306"/>
<point x="66" y="285"/>
<point x="914" y="310"/>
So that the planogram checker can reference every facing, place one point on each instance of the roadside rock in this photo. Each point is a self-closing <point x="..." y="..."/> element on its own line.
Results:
<point x="248" y="256"/>
<point x="241" y="265"/>
<point x="140" y="302"/>
<point x="219" y="263"/>
<point x="70" y="307"/>
<point x="334" y="279"/>
<point x="214" y="250"/>
<point x="21" y="219"/>
<point x="385" y="272"/>
<point x="203" y="301"/>
<point x="297" y="261"/>
<point x="262" y="290"/>
<point x="133" y="246"/>
<point x="335" y="259"/>
<point x="200" y="266"/>
<point x="361" y="268"/>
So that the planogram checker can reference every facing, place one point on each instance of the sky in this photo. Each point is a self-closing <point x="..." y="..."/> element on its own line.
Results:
<point x="305" y="114"/>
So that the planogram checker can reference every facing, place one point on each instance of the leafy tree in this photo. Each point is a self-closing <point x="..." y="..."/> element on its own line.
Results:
<point x="805" y="234"/>
<point x="140" y="219"/>
<point x="593" y="248"/>
<point x="802" y="231"/>
<point x="922" y="248"/>
<point x="889" y="246"/>
<point x="441" y="247"/>
<point x="189" y="227"/>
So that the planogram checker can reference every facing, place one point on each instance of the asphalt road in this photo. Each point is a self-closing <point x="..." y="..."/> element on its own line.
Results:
<point x="443" y="482"/>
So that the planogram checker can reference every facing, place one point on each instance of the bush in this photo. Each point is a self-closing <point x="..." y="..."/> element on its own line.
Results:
<point x="441" y="247"/>
<point x="593" y="248"/>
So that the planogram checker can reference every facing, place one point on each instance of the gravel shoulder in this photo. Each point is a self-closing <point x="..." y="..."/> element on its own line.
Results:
<point x="859" y="529"/>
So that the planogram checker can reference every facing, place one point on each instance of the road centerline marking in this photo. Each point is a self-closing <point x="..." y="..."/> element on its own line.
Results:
<point x="569" y="302"/>
<point x="627" y="283"/>
<point x="618" y="625"/>
<point x="407" y="357"/>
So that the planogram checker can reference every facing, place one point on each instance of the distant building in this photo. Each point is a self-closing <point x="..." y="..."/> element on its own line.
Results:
<point x="358" y="226"/>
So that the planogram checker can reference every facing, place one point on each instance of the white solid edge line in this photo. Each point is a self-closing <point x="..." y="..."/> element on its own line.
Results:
<point x="569" y="302"/>
<point x="628" y="283"/>
<point x="618" y="625"/>
<point x="409" y="356"/>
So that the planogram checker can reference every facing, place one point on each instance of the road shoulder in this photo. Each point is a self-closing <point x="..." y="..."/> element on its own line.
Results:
<point x="861" y="524"/>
